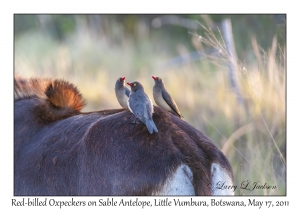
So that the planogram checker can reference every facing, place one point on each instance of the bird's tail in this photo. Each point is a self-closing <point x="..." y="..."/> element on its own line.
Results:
<point x="151" y="126"/>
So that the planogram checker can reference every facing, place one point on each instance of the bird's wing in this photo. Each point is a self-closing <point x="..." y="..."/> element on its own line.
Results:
<point x="136" y="105"/>
<point x="149" y="106"/>
<point x="169" y="100"/>
<point x="145" y="105"/>
<point x="127" y="91"/>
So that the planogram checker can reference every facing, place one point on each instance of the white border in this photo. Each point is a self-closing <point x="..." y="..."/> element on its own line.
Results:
<point x="8" y="8"/>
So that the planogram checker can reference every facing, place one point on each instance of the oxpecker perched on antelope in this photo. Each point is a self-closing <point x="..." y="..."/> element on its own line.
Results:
<point x="163" y="99"/>
<point x="122" y="92"/>
<point x="141" y="106"/>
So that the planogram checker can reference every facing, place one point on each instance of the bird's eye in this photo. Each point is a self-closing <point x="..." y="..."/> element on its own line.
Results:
<point x="134" y="84"/>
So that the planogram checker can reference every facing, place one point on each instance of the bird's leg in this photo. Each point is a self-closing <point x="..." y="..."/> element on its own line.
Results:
<point x="135" y="121"/>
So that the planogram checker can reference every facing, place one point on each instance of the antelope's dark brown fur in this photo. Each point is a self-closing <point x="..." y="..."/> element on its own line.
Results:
<point x="58" y="150"/>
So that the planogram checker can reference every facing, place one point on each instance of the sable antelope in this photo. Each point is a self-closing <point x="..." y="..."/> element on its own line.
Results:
<point x="59" y="150"/>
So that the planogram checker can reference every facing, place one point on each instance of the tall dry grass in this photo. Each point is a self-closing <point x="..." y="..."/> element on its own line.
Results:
<point x="255" y="138"/>
<point x="252" y="135"/>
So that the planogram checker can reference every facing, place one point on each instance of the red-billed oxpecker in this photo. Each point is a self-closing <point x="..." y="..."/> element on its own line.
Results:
<point x="163" y="99"/>
<point x="122" y="92"/>
<point x="141" y="106"/>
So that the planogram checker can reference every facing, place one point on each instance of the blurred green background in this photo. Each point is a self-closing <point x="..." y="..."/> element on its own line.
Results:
<point x="189" y="53"/>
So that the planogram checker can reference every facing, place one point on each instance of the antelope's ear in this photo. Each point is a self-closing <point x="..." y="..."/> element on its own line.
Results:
<point x="63" y="100"/>
<point x="62" y="94"/>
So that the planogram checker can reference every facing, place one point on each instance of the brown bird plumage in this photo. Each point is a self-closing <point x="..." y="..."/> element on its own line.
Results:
<point x="163" y="99"/>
